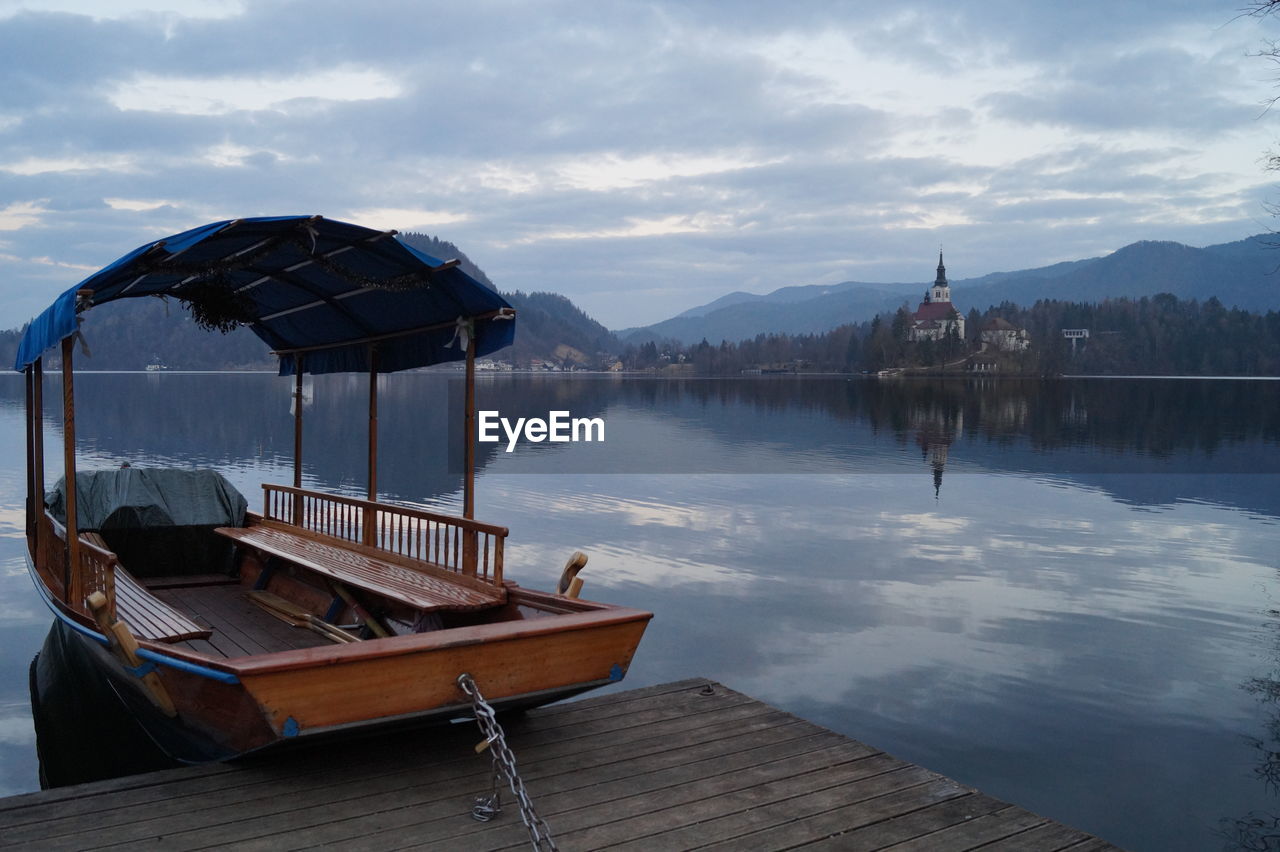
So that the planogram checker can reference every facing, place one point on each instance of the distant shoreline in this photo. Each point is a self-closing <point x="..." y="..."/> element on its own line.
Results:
<point x="1185" y="378"/>
<point x="769" y="377"/>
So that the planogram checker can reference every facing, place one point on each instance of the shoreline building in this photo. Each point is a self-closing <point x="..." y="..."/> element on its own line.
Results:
<point x="936" y="316"/>
<point x="1002" y="335"/>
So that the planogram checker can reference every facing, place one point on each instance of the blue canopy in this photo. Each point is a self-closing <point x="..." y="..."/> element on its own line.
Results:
<point x="308" y="286"/>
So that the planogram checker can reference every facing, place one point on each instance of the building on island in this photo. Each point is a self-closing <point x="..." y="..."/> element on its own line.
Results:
<point x="1000" y="334"/>
<point x="936" y="317"/>
<point x="984" y="364"/>
<point x="1075" y="335"/>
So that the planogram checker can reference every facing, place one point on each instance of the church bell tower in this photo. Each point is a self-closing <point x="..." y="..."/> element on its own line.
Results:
<point x="941" y="291"/>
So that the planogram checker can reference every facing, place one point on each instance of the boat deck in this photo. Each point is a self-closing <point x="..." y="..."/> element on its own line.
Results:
<point x="677" y="766"/>
<point x="240" y="627"/>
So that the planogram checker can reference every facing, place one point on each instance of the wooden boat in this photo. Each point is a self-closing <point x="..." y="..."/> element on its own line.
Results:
<point x="336" y="612"/>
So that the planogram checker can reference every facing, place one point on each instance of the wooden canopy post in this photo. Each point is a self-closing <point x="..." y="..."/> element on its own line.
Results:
<point x="371" y="515"/>
<point x="297" y="421"/>
<point x="72" y="575"/>
<point x="469" y="448"/>
<point x="31" y="455"/>
<point x="37" y="446"/>
<point x="469" y="542"/>
<point x="297" y="438"/>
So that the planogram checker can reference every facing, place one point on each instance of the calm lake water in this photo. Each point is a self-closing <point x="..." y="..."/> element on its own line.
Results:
<point x="1062" y="593"/>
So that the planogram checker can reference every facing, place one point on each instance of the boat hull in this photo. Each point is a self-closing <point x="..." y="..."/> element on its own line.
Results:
<point x="229" y="707"/>
<point x="515" y="664"/>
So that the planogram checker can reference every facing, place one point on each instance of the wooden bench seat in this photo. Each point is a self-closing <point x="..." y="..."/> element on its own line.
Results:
<point x="147" y="616"/>
<point x="425" y="587"/>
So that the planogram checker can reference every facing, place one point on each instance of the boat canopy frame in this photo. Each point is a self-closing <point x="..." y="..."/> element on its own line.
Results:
<point x="304" y="285"/>
<point x="326" y="297"/>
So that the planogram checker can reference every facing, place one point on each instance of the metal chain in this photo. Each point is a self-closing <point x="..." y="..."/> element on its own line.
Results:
<point x="504" y="766"/>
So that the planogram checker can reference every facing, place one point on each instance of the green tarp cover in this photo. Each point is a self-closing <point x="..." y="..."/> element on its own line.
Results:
<point x="134" y="497"/>
<point x="159" y="521"/>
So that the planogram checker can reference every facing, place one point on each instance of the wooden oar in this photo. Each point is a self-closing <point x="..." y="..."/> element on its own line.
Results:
<point x="568" y="577"/>
<point x="371" y="621"/>
<point x="291" y="613"/>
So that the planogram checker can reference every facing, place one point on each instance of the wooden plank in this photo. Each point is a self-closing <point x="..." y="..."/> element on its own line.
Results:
<point x="872" y="792"/>
<point x="203" y="646"/>
<point x="240" y="628"/>
<point x="14" y="810"/>
<point x="924" y="822"/>
<point x="1003" y="823"/>
<point x="830" y="814"/>
<point x="592" y="718"/>
<point x="150" y="617"/>
<point x="1049" y="837"/>
<point x="231" y="604"/>
<point x="182" y="581"/>
<point x="625" y="696"/>
<point x="228" y="635"/>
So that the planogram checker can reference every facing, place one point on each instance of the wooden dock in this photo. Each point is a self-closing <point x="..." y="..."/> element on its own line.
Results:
<point x="688" y="765"/>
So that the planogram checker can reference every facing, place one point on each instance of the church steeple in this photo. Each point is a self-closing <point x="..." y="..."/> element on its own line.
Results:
<point x="937" y="318"/>
<point x="941" y="290"/>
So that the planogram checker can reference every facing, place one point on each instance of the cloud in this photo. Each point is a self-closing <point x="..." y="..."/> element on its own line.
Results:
<point x="638" y="157"/>
<point x="406" y="219"/>
<point x="20" y="214"/>
<point x="115" y="9"/>
<point x="221" y="95"/>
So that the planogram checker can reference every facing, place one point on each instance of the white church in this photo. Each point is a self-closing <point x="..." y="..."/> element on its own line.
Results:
<point x="936" y="316"/>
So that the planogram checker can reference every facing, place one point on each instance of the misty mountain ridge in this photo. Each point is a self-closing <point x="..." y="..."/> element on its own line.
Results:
<point x="1240" y="274"/>
<point x="127" y="336"/>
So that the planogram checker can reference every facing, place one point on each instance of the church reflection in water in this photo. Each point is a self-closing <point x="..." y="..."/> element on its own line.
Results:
<point x="936" y="428"/>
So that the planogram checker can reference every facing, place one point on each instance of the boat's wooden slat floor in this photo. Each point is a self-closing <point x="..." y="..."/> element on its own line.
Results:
<point x="240" y="627"/>
<point x="665" y="767"/>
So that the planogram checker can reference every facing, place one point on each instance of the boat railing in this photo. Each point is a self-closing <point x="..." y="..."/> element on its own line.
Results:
<point x="51" y="555"/>
<point x="74" y="584"/>
<point x="460" y="545"/>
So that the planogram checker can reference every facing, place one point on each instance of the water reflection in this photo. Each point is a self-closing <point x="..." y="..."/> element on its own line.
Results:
<point x="85" y="730"/>
<point x="693" y="426"/>
<point x="1066" y="624"/>
<point x="1260" y="829"/>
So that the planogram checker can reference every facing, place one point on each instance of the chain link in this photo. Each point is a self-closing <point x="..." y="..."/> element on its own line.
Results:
<point x="504" y="767"/>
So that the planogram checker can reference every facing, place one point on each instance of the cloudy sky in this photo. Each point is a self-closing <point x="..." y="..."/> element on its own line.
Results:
<point x="639" y="157"/>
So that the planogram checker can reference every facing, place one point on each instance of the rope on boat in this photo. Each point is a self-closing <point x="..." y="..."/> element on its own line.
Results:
<point x="504" y="766"/>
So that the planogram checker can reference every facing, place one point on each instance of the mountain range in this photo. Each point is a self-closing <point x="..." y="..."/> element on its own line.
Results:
<point x="1241" y="274"/>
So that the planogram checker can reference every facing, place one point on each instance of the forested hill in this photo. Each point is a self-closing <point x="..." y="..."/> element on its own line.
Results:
<point x="1161" y="335"/>
<point x="545" y="322"/>
<point x="550" y="327"/>
<point x="129" y="334"/>
<point x="445" y="250"/>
